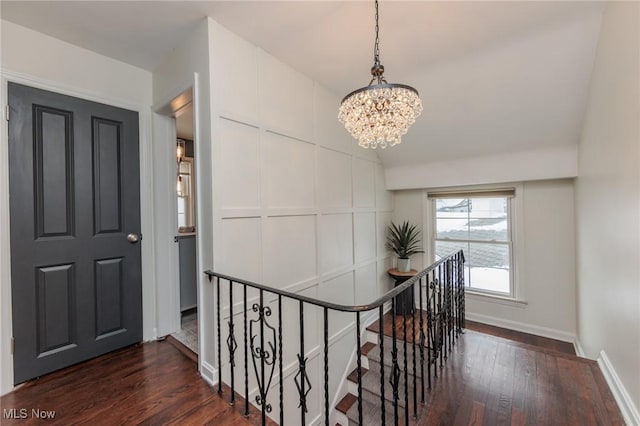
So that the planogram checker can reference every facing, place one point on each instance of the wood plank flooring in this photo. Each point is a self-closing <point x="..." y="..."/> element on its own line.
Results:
<point x="496" y="376"/>
<point x="152" y="383"/>
<point x="487" y="380"/>
<point x="493" y="381"/>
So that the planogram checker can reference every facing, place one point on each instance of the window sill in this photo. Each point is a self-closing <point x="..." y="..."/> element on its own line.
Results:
<point x="494" y="298"/>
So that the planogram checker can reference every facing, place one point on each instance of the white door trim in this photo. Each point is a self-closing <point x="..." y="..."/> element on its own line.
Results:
<point x="146" y="214"/>
<point x="168" y="312"/>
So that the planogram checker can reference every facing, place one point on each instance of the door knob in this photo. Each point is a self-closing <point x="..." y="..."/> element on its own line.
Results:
<point x="133" y="238"/>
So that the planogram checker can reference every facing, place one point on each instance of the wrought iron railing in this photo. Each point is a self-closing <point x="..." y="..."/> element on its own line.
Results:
<point x="440" y="311"/>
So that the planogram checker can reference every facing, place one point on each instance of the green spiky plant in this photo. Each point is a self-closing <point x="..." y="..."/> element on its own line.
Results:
<point x="404" y="240"/>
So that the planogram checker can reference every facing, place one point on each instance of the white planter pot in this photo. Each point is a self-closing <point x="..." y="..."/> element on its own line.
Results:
<point x="404" y="265"/>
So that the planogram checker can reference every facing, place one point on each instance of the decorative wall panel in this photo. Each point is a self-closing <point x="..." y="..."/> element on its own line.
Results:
<point x="240" y="160"/>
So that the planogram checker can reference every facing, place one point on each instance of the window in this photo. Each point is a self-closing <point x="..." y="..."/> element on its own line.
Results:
<point x="184" y="189"/>
<point x="479" y="223"/>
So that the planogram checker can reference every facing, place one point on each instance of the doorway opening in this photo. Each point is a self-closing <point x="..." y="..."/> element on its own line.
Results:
<point x="185" y="231"/>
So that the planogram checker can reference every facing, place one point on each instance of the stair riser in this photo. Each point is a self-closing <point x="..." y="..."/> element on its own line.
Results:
<point x="375" y="366"/>
<point x="374" y="360"/>
<point x="371" y="386"/>
<point x="372" y="415"/>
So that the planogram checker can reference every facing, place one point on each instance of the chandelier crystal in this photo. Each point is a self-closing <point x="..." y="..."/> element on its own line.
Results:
<point x="379" y="114"/>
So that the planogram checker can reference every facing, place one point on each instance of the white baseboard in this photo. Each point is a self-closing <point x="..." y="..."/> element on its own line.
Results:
<point x="208" y="372"/>
<point x="627" y="407"/>
<point x="551" y="333"/>
<point x="578" y="347"/>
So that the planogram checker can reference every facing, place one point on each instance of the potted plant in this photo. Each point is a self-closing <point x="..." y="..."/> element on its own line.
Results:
<point x="404" y="241"/>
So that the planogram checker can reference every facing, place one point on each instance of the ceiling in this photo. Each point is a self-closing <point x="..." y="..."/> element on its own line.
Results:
<point x="493" y="76"/>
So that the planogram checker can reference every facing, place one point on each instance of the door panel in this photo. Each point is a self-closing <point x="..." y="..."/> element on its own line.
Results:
<point x="107" y="172"/>
<point x="74" y="197"/>
<point x="54" y="176"/>
<point x="108" y="297"/>
<point x="55" y="313"/>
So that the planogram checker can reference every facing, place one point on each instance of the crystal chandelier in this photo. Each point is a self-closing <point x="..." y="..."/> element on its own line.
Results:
<point x="379" y="114"/>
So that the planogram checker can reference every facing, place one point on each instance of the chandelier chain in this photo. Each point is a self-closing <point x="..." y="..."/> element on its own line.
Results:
<point x="376" y="49"/>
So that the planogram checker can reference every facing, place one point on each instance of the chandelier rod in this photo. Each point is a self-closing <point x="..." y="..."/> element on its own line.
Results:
<point x="376" y="48"/>
<point x="377" y="70"/>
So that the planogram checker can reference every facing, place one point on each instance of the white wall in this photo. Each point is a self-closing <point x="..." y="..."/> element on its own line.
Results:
<point x="538" y="164"/>
<point x="40" y="56"/>
<point x="297" y="205"/>
<point x="544" y="254"/>
<point x="608" y="209"/>
<point x="37" y="60"/>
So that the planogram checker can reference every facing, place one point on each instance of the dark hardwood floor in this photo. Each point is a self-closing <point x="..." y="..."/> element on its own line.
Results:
<point x="153" y="384"/>
<point x="487" y="380"/>
<point x="496" y="376"/>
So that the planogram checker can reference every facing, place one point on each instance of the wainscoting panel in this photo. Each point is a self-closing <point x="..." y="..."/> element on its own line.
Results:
<point x="289" y="177"/>
<point x="242" y="256"/>
<point x="364" y="183"/>
<point x="299" y="206"/>
<point x="334" y="179"/>
<point x="364" y="236"/>
<point x="336" y="241"/>
<point x="289" y="250"/>
<point x="285" y="98"/>
<point x="338" y="290"/>
<point x="366" y="283"/>
<point x="240" y="151"/>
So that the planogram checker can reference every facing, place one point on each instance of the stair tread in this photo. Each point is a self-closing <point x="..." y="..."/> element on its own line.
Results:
<point x="367" y="347"/>
<point x="372" y="413"/>
<point x="346" y="402"/>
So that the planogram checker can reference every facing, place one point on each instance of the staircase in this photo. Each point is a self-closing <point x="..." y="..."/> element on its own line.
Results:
<point x="404" y="406"/>
<point x="387" y="378"/>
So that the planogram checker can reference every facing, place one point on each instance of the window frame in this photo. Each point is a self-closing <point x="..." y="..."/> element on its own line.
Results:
<point x="516" y="295"/>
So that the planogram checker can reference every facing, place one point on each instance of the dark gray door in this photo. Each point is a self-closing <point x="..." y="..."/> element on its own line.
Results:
<point x="74" y="199"/>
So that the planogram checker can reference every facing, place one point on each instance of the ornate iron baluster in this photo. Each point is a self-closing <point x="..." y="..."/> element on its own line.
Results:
<point x="447" y="346"/>
<point x="460" y="278"/>
<point x="381" y="338"/>
<point x="232" y="345"/>
<point x="421" y="343"/>
<point x="394" y="380"/>
<point x="462" y="291"/>
<point x="454" y="299"/>
<point x="219" y="338"/>
<point x="450" y="302"/>
<point x="280" y="358"/>
<point x="246" y="354"/>
<point x="433" y="326"/>
<point x="326" y="366"/>
<point x="413" y="340"/>
<point x="359" y="362"/>
<point x="301" y="379"/>
<point x="266" y="356"/>
<point x="405" y="370"/>
<point x="440" y="319"/>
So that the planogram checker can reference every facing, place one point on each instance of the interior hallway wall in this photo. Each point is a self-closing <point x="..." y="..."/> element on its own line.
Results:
<point x="544" y="252"/>
<point x="297" y="204"/>
<point x="608" y="208"/>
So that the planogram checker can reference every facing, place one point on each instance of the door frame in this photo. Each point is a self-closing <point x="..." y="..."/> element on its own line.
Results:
<point x="168" y="291"/>
<point x="149" y="327"/>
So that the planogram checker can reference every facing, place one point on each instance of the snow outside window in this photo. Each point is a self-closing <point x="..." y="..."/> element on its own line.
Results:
<point x="481" y="227"/>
